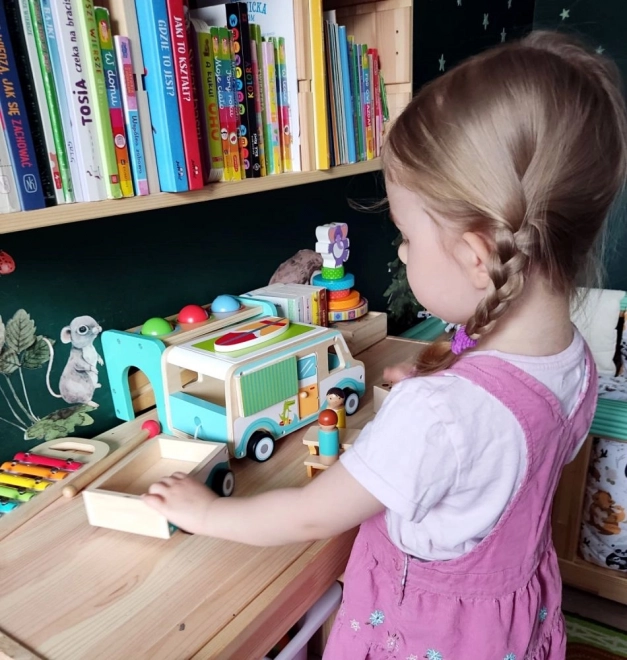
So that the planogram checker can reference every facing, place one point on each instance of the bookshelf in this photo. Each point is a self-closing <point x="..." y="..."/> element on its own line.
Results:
<point x="383" y="24"/>
<point x="58" y="215"/>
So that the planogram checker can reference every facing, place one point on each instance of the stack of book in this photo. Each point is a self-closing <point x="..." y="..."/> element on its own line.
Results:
<point x="137" y="97"/>
<point x="356" y="99"/>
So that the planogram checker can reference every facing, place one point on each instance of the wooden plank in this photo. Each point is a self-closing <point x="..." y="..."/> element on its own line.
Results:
<point x="11" y="649"/>
<point x="78" y="212"/>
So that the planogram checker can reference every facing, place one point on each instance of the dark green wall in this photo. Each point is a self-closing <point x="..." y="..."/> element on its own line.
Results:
<point x="124" y="269"/>
<point x="603" y="24"/>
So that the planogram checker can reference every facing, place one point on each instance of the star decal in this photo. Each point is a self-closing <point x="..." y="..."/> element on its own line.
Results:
<point x="565" y="14"/>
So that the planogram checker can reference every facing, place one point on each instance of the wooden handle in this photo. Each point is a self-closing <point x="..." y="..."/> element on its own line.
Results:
<point x="150" y="429"/>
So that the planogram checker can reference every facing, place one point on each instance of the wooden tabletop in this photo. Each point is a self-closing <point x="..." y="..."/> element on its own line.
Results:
<point x="72" y="591"/>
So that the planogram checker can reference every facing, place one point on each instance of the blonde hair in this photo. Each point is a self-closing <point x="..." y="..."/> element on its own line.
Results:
<point x="525" y="144"/>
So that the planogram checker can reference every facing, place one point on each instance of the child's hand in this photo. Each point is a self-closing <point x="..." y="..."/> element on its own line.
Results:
<point x="184" y="501"/>
<point x="398" y="372"/>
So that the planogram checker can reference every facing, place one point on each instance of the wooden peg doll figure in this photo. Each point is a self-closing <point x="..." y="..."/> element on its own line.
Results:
<point x="328" y="437"/>
<point x="335" y="401"/>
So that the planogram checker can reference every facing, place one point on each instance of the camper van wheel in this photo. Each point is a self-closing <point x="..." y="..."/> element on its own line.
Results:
<point x="351" y="402"/>
<point x="260" y="446"/>
<point x="223" y="482"/>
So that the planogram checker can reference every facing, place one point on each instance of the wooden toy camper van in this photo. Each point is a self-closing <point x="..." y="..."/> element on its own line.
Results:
<point x="244" y="380"/>
<point x="114" y="499"/>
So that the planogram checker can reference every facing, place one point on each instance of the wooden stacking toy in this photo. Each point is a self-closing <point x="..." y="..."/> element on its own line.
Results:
<point x="345" y="302"/>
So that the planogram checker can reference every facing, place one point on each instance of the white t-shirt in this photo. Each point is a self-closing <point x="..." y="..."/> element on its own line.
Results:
<point x="445" y="458"/>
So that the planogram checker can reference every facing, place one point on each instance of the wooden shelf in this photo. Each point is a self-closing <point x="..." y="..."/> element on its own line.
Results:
<point x="58" y="215"/>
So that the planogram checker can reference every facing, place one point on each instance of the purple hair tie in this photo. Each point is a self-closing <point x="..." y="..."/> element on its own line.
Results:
<point x="461" y="341"/>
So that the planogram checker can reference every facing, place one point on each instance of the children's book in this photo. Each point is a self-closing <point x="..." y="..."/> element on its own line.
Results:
<point x="37" y="51"/>
<point x="17" y="128"/>
<point x="80" y="102"/>
<point x="93" y="72"/>
<point x="275" y="19"/>
<point x="183" y="75"/>
<point x="132" y="121"/>
<point x="9" y="197"/>
<point x="159" y="78"/>
<point x="56" y="71"/>
<point x="114" y="95"/>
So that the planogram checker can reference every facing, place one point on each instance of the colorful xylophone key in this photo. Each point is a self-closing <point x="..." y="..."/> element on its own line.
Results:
<point x="47" y="461"/>
<point x="7" y="505"/>
<point x="54" y="474"/>
<point x="23" y="482"/>
<point x="20" y="494"/>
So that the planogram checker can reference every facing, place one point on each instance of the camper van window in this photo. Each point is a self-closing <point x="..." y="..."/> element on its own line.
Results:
<point x="333" y="358"/>
<point x="204" y="387"/>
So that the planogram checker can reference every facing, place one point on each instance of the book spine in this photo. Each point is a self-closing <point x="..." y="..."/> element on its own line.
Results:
<point x="367" y="105"/>
<point x="71" y="57"/>
<point x="114" y="98"/>
<point x="152" y="19"/>
<point x="284" y="107"/>
<point x="272" y="113"/>
<point x="318" y="86"/>
<point x="18" y="135"/>
<point x="86" y="19"/>
<point x="184" y="93"/>
<point x="39" y="123"/>
<point x="195" y="81"/>
<point x="237" y="18"/>
<point x="223" y="112"/>
<point x="135" y="143"/>
<point x="62" y="99"/>
<point x="34" y="31"/>
<point x="208" y="94"/>
<point x="232" y="125"/>
<point x="348" y="95"/>
<point x="255" y="54"/>
<point x="9" y="195"/>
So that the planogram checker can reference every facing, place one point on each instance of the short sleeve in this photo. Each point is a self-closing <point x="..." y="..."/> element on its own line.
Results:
<point x="404" y="456"/>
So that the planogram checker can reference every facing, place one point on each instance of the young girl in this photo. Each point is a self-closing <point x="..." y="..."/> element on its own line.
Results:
<point x="499" y="175"/>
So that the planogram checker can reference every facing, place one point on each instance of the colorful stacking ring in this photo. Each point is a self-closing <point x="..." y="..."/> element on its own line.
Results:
<point x="349" y="302"/>
<point x="332" y="273"/>
<point x="351" y="314"/>
<point x="338" y="295"/>
<point x="346" y="282"/>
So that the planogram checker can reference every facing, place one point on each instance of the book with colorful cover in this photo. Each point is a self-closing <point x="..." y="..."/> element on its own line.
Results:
<point x="258" y="86"/>
<point x="34" y="31"/>
<point x="125" y="23"/>
<point x="237" y="16"/>
<point x="17" y="128"/>
<point x="114" y="95"/>
<point x="80" y="102"/>
<point x="177" y="14"/>
<point x="9" y="195"/>
<point x="208" y="97"/>
<point x="271" y="119"/>
<point x="38" y="120"/>
<point x="285" y="131"/>
<point x="229" y="130"/>
<point x="347" y="95"/>
<point x="85" y="16"/>
<point x="134" y="140"/>
<point x="275" y="19"/>
<point x="367" y="101"/>
<point x="62" y="98"/>
<point x="159" y="79"/>
<point x="356" y="87"/>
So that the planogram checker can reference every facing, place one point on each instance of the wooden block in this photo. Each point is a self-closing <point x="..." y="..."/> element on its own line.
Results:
<point x="364" y="332"/>
<point x="379" y="393"/>
<point x="114" y="500"/>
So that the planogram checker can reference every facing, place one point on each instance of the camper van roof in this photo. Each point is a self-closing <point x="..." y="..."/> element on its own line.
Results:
<point x="200" y="355"/>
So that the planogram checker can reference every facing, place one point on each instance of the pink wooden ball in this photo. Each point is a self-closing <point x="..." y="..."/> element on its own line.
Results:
<point x="192" y="314"/>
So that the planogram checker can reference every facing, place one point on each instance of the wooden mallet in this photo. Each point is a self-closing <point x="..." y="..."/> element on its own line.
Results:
<point x="150" y="428"/>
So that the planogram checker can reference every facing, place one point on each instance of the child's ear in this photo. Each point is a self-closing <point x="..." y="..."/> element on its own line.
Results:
<point x="474" y="256"/>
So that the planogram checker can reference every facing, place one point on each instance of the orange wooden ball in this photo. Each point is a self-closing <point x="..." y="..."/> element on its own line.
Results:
<point x="327" y="417"/>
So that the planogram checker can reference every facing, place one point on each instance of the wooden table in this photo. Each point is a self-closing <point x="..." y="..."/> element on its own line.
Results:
<point x="72" y="591"/>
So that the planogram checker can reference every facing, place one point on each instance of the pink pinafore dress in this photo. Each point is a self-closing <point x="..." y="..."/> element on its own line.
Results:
<point x="500" y="601"/>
